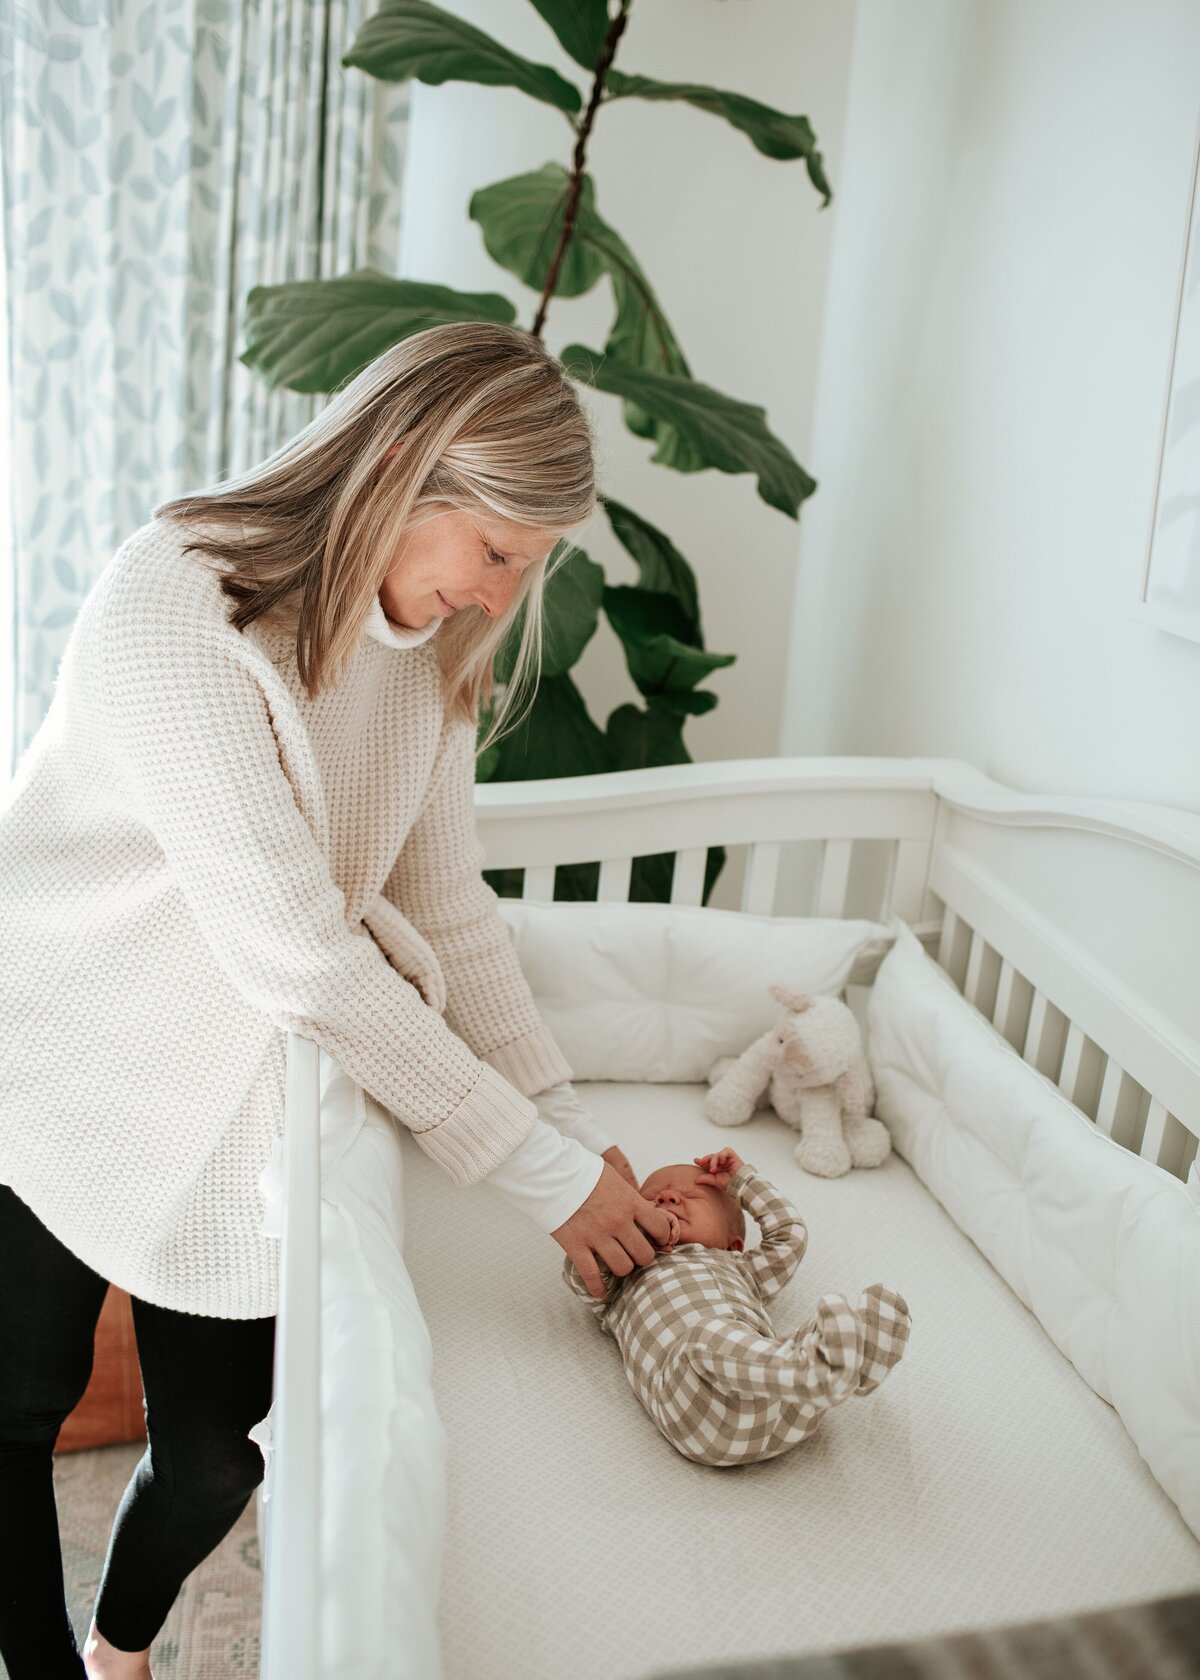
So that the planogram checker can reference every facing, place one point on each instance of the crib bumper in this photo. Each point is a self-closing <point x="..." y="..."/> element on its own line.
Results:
<point x="383" y="1449"/>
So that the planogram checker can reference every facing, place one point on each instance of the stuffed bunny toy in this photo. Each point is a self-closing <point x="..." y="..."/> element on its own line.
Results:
<point x="812" y="1070"/>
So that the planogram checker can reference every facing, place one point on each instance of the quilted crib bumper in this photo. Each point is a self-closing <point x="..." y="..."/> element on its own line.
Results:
<point x="1103" y="1247"/>
<point x="383" y="1448"/>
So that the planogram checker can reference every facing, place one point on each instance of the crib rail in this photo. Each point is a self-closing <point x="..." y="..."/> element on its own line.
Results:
<point x="762" y="805"/>
<point x="1071" y="924"/>
<point x="1110" y="1068"/>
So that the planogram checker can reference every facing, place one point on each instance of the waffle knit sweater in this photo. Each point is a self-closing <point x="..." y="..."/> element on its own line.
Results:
<point x="197" y="859"/>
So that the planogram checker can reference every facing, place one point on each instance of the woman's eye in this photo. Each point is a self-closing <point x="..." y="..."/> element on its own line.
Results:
<point x="498" y="559"/>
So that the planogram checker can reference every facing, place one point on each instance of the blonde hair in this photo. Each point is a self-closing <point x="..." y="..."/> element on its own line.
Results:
<point x="481" y="418"/>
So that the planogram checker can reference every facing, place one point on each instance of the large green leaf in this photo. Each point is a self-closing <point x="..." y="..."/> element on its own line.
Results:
<point x="642" y="336"/>
<point x="313" y="335"/>
<point x="660" y="564"/>
<point x="683" y="702"/>
<point x="654" y="629"/>
<point x="556" y="738"/>
<point x="581" y="26"/>
<point x="570" y="612"/>
<point x="411" y="39"/>
<point x="521" y="220"/>
<point x="727" y="434"/>
<point x="640" y="739"/>
<point x="775" y="134"/>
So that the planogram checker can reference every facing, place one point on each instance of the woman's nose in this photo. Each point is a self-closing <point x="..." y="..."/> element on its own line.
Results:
<point x="494" y="598"/>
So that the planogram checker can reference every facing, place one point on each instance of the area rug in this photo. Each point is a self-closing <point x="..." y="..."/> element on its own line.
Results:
<point x="212" y="1632"/>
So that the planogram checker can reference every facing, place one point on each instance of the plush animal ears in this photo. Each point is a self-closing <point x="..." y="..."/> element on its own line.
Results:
<point x="797" y="1002"/>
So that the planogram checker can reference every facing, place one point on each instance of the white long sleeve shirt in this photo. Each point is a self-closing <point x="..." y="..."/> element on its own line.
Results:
<point x="541" y="1177"/>
<point x="195" y="859"/>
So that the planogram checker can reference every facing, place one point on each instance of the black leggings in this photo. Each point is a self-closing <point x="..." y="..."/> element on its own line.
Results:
<point x="207" y="1381"/>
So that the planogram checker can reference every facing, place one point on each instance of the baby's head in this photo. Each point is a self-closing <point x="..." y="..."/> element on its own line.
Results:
<point x="705" y="1214"/>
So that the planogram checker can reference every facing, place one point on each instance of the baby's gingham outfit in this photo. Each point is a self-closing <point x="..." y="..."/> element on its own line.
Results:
<point x="703" y="1358"/>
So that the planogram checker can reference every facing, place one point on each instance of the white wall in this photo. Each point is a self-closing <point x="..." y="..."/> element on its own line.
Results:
<point x="737" y="251"/>
<point x="1014" y="193"/>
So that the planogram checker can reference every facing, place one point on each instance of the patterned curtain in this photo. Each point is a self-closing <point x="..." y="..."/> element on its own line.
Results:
<point x="160" y="157"/>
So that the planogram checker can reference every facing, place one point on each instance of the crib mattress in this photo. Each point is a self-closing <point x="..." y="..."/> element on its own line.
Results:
<point x="983" y="1482"/>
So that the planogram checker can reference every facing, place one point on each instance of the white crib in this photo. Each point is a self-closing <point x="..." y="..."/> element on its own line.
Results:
<point x="1072" y="925"/>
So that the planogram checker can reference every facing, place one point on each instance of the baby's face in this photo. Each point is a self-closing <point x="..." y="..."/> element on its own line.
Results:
<point x="705" y="1214"/>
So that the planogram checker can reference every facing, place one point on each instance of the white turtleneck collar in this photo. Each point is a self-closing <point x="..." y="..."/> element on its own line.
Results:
<point x="384" y="629"/>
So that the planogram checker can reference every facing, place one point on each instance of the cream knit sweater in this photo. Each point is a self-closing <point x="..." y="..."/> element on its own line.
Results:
<point x="195" y="859"/>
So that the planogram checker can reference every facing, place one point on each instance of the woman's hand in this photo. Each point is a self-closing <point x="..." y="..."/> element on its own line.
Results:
<point x="617" y="1161"/>
<point x="615" y="1225"/>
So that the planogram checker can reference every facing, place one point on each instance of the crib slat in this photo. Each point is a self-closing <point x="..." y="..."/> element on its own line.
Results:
<point x="1120" y="1099"/>
<point x="905" y="894"/>
<point x="762" y="869"/>
<point x="538" y="882"/>
<point x="1163" y="1138"/>
<point x="1068" y="1077"/>
<point x="1002" y="1015"/>
<point x="830" y="898"/>
<point x="946" y="938"/>
<point x="687" y="882"/>
<point x="1042" y="1040"/>
<point x="1036" y="1030"/>
<point x="974" y="967"/>
<point x="614" y="880"/>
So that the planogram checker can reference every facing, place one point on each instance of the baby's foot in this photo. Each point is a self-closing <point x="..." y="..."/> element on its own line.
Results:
<point x="832" y="1349"/>
<point x="886" y="1321"/>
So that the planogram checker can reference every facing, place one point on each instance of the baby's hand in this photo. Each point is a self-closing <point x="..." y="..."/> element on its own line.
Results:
<point x="673" y="1237"/>
<point x="719" y="1167"/>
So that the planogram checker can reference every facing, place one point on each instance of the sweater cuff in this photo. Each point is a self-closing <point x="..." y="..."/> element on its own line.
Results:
<point x="482" y="1131"/>
<point x="532" y="1063"/>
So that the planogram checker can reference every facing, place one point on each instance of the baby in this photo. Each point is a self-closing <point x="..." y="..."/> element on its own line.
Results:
<point x="700" y="1352"/>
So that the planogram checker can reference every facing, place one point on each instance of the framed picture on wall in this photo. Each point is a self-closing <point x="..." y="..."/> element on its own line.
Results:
<point x="1170" y="595"/>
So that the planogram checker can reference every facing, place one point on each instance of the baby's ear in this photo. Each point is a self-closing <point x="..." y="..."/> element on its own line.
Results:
<point x="735" y="1245"/>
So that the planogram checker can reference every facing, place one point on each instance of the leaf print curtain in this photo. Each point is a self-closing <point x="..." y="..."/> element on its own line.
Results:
<point x="159" y="158"/>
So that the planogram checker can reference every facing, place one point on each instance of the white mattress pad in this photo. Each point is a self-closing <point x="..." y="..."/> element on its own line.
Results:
<point x="983" y="1482"/>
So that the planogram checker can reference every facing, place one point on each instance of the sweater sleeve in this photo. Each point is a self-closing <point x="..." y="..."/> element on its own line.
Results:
<point x="437" y="883"/>
<point x="195" y="748"/>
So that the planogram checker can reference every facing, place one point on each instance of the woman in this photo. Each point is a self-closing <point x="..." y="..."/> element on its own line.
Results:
<point x="249" y="811"/>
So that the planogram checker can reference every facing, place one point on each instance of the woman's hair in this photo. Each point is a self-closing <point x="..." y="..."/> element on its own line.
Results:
<point x="483" y="419"/>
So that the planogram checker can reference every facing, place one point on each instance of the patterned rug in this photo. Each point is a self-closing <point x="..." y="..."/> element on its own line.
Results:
<point x="212" y="1632"/>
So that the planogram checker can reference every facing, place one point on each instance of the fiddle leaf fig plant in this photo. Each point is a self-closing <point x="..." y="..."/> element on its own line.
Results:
<point x="545" y="228"/>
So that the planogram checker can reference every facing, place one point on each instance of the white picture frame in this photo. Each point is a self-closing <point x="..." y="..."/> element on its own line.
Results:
<point x="1170" y="596"/>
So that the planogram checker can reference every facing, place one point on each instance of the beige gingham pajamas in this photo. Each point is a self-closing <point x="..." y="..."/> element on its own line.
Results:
<point x="703" y="1358"/>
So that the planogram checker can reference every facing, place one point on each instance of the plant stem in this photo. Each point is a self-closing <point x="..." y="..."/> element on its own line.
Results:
<point x="603" y="65"/>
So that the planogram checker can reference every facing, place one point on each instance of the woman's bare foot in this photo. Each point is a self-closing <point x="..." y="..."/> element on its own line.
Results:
<point x="102" y="1661"/>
